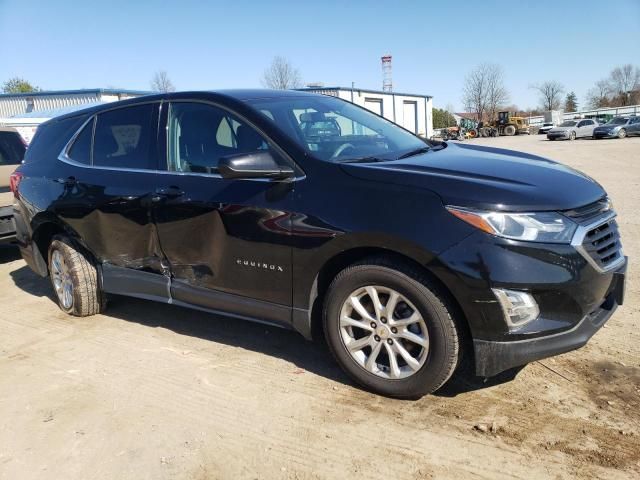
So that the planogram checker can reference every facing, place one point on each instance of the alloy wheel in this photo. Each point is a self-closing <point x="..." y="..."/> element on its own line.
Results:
<point x="384" y="332"/>
<point x="62" y="282"/>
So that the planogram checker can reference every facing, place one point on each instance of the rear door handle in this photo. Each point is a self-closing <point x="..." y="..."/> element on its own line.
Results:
<point x="169" y="192"/>
<point x="68" y="182"/>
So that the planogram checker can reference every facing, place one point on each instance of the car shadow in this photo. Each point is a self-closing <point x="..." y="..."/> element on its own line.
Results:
<point x="266" y="339"/>
<point x="269" y="340"/>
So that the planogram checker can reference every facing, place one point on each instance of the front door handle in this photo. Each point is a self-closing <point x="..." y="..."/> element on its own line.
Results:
<point x="169" y="192"/>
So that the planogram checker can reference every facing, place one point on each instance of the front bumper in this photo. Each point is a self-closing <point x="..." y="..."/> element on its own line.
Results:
<point x="493" y="357"/>
<point x="557" y="136"/>
<point x="604" y="134"/>
<point x="7" y="225"/>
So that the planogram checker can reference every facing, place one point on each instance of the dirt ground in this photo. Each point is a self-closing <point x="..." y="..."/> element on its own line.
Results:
<point x="156" y="391"/>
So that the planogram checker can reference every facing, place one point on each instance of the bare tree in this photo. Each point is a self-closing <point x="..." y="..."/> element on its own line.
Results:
<point x="161" y="82"/>
<point x="474" y="94"/>
<point x="550" y="94"/>
<point x="484" y="91"/>
<point x="624" y="80"/>
<point x="598" y="96"/>
<point x="281" y="75"/>
<point x="497" y="94"/>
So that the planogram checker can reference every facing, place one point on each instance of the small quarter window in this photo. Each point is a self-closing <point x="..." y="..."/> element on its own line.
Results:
<point x="81" y="149"/>
<point x="126" y="138"/>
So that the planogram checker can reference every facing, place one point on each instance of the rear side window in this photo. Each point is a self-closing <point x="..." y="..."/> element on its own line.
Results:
<point x="126" y="138"/>
<point x="51" y="137"/>
<point x="11" y="148"/>
<point x="81" y="149"/>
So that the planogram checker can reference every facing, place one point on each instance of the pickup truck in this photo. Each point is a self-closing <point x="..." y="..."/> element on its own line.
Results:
<point x="12" y="149"/>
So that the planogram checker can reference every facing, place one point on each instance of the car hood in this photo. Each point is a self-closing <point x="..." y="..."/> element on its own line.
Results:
<point x="608" y="127"/>
<point x="562" y="129"/>
<point x="487" y="178"/>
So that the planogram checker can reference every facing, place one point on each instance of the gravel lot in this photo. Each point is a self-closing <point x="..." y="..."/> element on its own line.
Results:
<point x="156" y="391"/>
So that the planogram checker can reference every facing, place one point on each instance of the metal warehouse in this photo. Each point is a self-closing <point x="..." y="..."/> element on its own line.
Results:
<point x="25" y="111"/>
<point x="410" y="111"/>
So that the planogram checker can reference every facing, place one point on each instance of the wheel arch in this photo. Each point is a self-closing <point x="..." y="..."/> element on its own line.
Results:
<point x="338" y="262"/>
<point x="44" y="228"/>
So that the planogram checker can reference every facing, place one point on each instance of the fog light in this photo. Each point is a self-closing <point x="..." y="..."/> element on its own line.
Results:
<point x="519" y="308"/>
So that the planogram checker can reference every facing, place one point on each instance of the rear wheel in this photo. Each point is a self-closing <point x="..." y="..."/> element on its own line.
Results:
<point x="390" y="329"/>
<point x="622" y="133"/>
<point x="74" y="278"/>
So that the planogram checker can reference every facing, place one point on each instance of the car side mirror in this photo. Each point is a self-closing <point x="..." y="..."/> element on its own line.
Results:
<point x="259" y="164"/>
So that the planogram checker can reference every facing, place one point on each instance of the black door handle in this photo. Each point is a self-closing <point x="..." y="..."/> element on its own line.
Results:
<point x="169" y="192"/>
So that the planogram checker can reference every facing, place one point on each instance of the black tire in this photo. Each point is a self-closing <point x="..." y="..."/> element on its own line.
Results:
<point x="622" y="133"/>
<point x="88" y="298"/>
<point x="444" y="339"/>
<point x="572" y="136"/>
<point x="510" y="130"/>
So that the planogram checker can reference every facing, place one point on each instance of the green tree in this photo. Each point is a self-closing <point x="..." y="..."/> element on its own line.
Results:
<point x="442" y="118"/>
<point x="571" y="102"/>
<point x="18" y="85"/>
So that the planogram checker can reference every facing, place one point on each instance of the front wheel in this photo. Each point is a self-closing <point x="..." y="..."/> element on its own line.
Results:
<point x="622" y="133"/>
<point x="390" y="329"/>
<point x="74" y="278"/>
<point x="572" y="136"/>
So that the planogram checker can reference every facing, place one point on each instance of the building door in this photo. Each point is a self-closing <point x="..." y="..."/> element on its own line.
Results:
<point x="373" y="104"/>
<point x="410" y="116"/>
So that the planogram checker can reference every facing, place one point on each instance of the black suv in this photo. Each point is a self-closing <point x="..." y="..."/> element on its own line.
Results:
<point x="311" y="213"/>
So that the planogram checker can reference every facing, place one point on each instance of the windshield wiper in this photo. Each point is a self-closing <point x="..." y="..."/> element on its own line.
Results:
<point x="412" y="153"/>
<point x="363" y="160"/>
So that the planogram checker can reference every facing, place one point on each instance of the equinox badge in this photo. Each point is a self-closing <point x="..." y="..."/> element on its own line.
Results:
<point x="260" y="265"/>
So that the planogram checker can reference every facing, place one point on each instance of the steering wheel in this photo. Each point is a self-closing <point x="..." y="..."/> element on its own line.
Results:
<point x="340" y="150"/>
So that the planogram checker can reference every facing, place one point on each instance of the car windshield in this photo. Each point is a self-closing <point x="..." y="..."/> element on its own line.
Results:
<point x="617" y="121"/>
<point x="335" y="130"/>
<point x="568" y="123"/>
<point x="547" y="124"/>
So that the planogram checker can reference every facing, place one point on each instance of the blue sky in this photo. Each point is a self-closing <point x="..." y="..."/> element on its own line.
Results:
<point x="62" y="44"/>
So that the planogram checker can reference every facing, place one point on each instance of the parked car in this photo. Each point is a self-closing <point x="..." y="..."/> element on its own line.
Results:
<point x="12" y="148"/>
<point x="408" y="256"/>
<point x="545" y="128"/>
<point x="572" y="129"/>
<point x="618" y="127"/>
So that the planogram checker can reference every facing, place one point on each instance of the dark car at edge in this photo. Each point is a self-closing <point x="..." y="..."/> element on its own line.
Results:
<point x="313" y="214"/>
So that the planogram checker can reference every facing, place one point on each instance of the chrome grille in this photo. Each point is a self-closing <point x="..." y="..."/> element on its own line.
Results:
<point x="599" y="242"/>
<point x="602" y="243"/>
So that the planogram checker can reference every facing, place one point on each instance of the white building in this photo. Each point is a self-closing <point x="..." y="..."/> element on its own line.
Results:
<point x="25" y="111"/>
<point x="413" y="112"/>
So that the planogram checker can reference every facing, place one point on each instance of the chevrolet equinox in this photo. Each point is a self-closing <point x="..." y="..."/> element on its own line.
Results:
<point x="311" y="213"/>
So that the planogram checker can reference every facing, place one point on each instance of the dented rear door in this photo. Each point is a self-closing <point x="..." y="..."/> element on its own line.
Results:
<point x="106" y="193"/>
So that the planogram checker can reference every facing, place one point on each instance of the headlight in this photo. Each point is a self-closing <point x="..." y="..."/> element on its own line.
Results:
<point x="548" y="227"/>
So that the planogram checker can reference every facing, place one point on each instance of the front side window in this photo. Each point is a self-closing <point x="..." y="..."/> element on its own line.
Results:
<point x="199" y="135"/>
<point x="126" y="138"/>
<point x="335" y="130"/>
<point x="80" y="151"/>
<point x="617" y="121"/>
